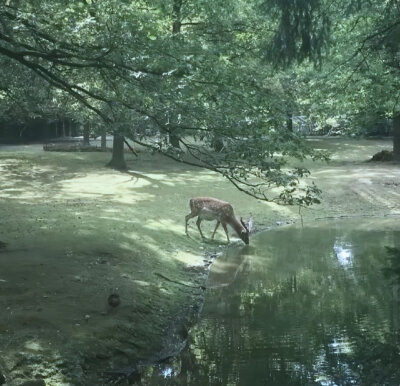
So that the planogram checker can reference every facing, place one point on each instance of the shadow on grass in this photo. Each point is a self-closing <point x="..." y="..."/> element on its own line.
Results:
<point x="77" y="233"/>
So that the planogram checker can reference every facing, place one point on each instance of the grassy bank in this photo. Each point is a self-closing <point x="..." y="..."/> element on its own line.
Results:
<point x="76" y="232"/>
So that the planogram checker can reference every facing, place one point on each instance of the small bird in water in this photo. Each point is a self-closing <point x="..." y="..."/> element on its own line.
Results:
<point x="114" y="300"/>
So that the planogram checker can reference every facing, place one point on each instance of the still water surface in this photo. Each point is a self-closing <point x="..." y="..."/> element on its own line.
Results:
<point x="300" y="306"/>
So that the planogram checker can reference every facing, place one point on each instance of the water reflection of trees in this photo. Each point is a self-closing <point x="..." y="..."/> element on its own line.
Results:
<point x="298" y="316"/>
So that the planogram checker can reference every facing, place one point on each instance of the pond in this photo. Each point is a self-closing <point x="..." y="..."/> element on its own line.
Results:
<point x="312" y="305"/>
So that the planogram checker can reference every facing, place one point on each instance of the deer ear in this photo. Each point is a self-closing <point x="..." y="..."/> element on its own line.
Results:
<point x="250" y="224"/>
<point x="244" y="225"/>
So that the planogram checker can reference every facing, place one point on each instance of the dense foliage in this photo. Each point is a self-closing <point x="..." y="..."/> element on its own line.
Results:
<point x="214" y="84"/>
<point x="357" y="87"/>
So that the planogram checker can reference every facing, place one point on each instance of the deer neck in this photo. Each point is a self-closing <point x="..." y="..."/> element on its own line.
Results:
<point x="236" y="225"/>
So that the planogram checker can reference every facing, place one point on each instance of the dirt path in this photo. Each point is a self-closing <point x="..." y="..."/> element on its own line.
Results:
<point x="73" y="232"/>
<point x="353" y="187"/>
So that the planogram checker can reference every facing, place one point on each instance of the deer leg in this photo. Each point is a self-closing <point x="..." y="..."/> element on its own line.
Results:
<point x="187" y="218"/>
<point x="216" y="227"/>
<point x="198" y="222"/>
<point x="226" y="231"/>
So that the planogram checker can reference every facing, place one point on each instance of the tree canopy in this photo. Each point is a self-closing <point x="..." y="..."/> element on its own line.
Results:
<point x="206" y="73"/>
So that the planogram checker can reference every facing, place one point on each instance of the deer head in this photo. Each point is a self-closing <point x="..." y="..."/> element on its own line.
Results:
<point x="244" y="235"/>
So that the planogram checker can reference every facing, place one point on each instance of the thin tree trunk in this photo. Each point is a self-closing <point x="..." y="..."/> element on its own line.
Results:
<point x="176" y="10"/>
<point x="86" y="133"/>
<point x="289" y="122"/>
<point x="395" y="307"/>
<point x="63" y="127"/>
<point x="176" y="29"/>
<point x="118" y="158"/>
<point x="103" y="138"/>
<point x="396" y="138"/>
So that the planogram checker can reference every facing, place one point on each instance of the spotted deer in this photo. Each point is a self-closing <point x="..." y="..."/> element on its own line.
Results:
<point x="209" y="209"/>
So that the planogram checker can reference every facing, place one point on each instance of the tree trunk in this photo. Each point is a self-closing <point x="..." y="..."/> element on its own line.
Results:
<point x="118" y="158"/>
<point x="103" y="139"/>
<point x="86" y="133"/>
<point x="396" y="138"/>
<point x="63" y="127"/>
<point x="174" y="140"/>
<point x="176" y="29"/>
<point x="176" y="10"/>
<point x="289" y="122"/>
<point x="217" y="144"/>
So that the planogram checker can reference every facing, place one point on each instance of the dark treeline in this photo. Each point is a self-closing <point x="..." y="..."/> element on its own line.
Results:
<point x="37" y="130"/>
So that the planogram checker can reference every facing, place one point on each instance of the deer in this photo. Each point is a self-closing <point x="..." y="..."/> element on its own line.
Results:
<point x="209" y="209"/>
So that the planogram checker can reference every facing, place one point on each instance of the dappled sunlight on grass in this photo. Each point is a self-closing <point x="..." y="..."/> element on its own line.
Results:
<point x="283" y="210"/>
<point x="23" y="181"/>
<point x="142" y="283"/>
<point x="79" y="230"/>
<point x="154" y="176"/>
<point x="117" y="187"/>
<point x="204" y="175"/>
<point x="18" y="194"/>
<point x="177" y="178"/>
<point x="163" y="224"/>
<point x="33" y="345"/>
<point x="169" y="183"/>
<point x="189" y="258"/>
<point x="346" y="151"/>
<point x="364" y="175"/>
<point x="332" y="171"/>
<point x="149" y="244"/>
<point x="94" y="183"/>
<point x="117" y="219"/>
